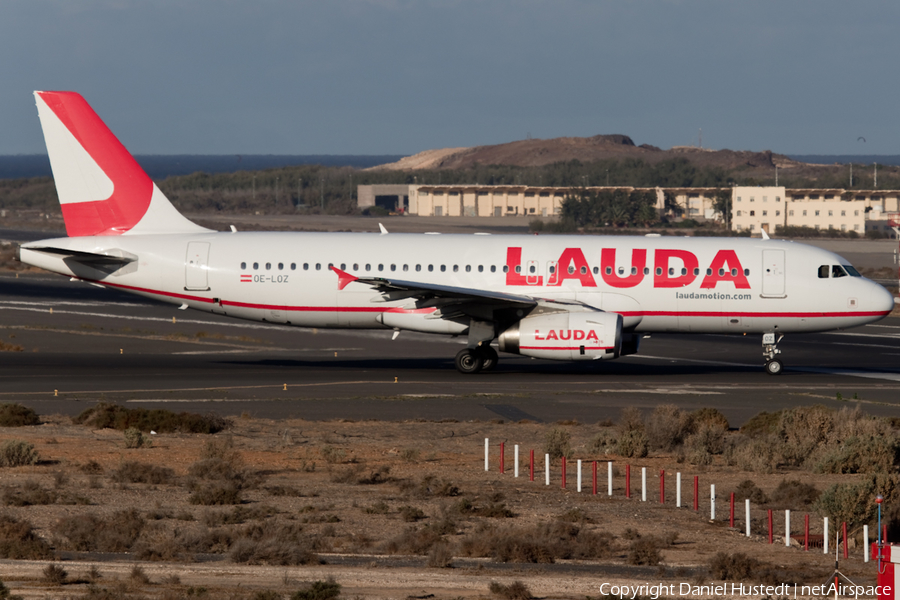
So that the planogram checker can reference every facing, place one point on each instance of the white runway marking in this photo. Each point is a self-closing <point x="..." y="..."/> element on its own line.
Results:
<point x="849" y="373"/>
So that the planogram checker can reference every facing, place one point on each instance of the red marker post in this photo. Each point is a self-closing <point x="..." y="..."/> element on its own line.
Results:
<point x="731" y="518"/>
<point x="564" y="472"/>
<point x="662" y="486"/>
<point x="628" y="481"/>
<point x="594" y="477"/>
<point x="771" y="529"/>
<point x="806" y="533"/>
<point x="696" y="493"/>
<point x="531" y="469"/>
<point x="844" y="535"/>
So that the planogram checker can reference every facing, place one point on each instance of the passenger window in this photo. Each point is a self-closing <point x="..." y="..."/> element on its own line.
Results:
<point x="430" y="268"/>
<point x="243" y="265"/>
<point x="443" y="268"/>
<point x="481" y="268"/>
<point x="734" y="272"/>
<point x="571" y="270"/>
<point x="280" y="266"/>
<point x="293" y="266"/>
<point x="493" y="269"/>
<point x="596" y="270"/>
<point x="455" y="268"/>
<point x="381" y="267"/>
<point x="343" y="266"/>
<point x="406" y="267"/>
<point x="368" y="267"/>
<point x="721" y="272"/>
<point x="708" y="272"/>
<point x="306" y="266"/>
<point x="418" y="267"/>
<point x="659" y="270"/>
<point x="330" y="266"/>
<point x="621" y="270"/>
<point x="671" y="271"/>
<point x="746" y="272"/>
<point x="646" y="270"/>
<point x="505" y="268"/>
<point x="683" y="271"/>
<point x="468" y="268"/>
<point x="318" y="266"/>
<point x="518" y="268"/>
<point x="696" y="271"/>
<point x="268" y="266"/>
<point x="583" y="270"/>
<point x="552" y="269"/>
<point x="532" y="269"/>
<point x="393" y="267"/>
<point x="823" y="272"/>
<point x="255" y="266"/>
<point x="838" y="271"/>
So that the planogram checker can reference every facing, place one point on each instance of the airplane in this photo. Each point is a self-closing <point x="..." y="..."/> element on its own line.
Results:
<point x="552" y="297"/>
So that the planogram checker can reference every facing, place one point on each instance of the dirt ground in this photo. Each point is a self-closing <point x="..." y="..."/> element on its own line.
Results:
<point x="357" y="490"/>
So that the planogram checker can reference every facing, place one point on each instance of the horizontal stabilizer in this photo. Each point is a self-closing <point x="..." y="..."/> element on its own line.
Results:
<point x="93" y="259"/>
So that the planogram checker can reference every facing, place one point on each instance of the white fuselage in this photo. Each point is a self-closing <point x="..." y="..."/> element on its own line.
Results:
<point x="658" y="284"/>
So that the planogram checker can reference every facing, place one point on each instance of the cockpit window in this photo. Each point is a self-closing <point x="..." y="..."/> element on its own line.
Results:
<point x="852" y="270"/>
<point x="823" y="271"/>
<point x="838" y="271"/>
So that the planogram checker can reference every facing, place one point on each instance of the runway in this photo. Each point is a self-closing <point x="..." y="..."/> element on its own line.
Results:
<point x="68" y="344"/>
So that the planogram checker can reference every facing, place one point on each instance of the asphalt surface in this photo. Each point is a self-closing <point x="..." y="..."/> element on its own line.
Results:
<point x="69" y="344"/>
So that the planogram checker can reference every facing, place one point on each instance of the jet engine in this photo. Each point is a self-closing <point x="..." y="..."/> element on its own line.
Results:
<point x="566" y="336"/>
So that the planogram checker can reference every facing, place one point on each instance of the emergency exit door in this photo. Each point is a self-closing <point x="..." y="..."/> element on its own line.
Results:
<point x="773" y="274"/>
<point x="196" y="267"/>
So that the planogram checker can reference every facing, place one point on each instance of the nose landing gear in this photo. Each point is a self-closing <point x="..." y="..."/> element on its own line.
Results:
<point x="770" y="341"/>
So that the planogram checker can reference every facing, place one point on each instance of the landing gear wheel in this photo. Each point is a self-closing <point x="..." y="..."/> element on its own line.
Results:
<point x="774" y="367"/>
<point x="490" y="358"/>
<point x="468" y="361"/>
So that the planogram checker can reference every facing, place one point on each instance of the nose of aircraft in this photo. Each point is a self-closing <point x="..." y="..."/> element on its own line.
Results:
<point x="880" y="299"/>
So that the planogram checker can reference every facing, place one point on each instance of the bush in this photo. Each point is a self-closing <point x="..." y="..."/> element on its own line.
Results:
<point x="29" y="494"/>
<point x="644" y="551"/>
<point x="440" y="556"/>
<point x="16" y="453"/>
<point x="514" y="591"/>
<point x="732" y="567"/>
<point x="413" y="541"/>
<point x="112" y="416"/>
<point x="92" y="533"/>
<point x="138" y="472"/>
<point x="709" y="416"/>
<point x="862" y="454"/>
<point x="16" y="415"/>
<point x="273" y="544"/>
<point x="411" y="514"/>
<point x="55" y="574"/>
<point x="135" y="439"/>
<point x="633" y="444"/>
<point x="18" y="541"/>
<point x="5" y="594"/>
<point x="793" y="494"/>
<point x="668" y="427"/>
<point x="543" y="543"/>
<point x="556" y="443"/>
<point x="747" y="489"/>
<point x="319" y="590"/>
<point x="853" y="503"/>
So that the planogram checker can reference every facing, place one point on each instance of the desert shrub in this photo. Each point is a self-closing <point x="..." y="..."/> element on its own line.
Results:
<point x="440" y="556"/>
<point x="644" y="551"/>
<point x="91" y="467"/>
<point x="138" y="472"/>
<point x="5" y="594"/>
<point x="429" y="486"/>
<point x="667" y="427"/>
<point x="758" y="455"/>
<point x="557" y="443"/>
<point x="709" y="416"/>
<point x="792" y="493"/>
<point x="92" y="533"/>
<point x="415" y="540"/>
<point x="633" y="444"/>
<point x="112" y="416"/>
<point x="18" y="541"/>
<point x="266" y="595"/>
<point x="218" y="479"/>
<point x="271" y="543"/>
<point x="410" y="454"/>
<point x="514" y="591"/>
<point x="319" y="590"/>
<point x="16" y="415"/>
<point x="135" y="439"/>
<point x="861" y="454"/>
<point x="631" y="419"/>
<point x="495" y="510"/>
<point x="54" y="574"/>
<point x="16" y="453"/>
<point x="333" y="455"/>
<point x="238" y="515"/>
<point x="732" y="567"/>
<point x="138" y="576"/>
<point x="215" y="494"/>
<point x="747" y="489"/>
<point x="542" y="543"/>
<point x="705" y="442"/>
<point x="29" y="493"/>
<point x="854" y="503"/>
<point x="575" y="515"/>
<point x="761" y="424"/>
<point x="411" y="514"/>
<point x="379" y="508"/>
<point x="376" y="476"/>
<point x="603" y="443"/>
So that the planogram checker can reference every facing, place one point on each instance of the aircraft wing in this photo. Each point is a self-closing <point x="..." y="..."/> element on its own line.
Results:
<point x="398" y="289"/>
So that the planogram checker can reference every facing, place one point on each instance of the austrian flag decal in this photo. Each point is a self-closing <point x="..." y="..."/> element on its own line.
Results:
<point x="246" y="278"/>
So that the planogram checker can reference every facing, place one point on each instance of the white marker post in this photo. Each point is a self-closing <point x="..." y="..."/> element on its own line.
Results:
<point x="643" y="484"/>
<point x="825" y="537"/>
<point x="866" y="543"/>
<point x="609" y="478"/>
<point x="546" y="469"/>
<point x="678" y="489"/>
<point x="516" y="460"/>
<point x="747" y="515"/>
<point x="787" y="527"/>
<point x="487" y="456"/>
<point x="579" y="475"/>
<point x="712" y="502"/>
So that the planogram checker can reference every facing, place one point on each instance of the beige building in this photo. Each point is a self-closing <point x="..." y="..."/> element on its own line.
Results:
<point x="770" y="208"/>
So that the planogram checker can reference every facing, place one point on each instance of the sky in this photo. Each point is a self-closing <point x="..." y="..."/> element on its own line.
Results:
<point x="402" y="76"/>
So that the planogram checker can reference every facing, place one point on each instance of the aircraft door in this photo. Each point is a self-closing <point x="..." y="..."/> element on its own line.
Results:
<point x="196" y="267"/>
<point x="773" y="274"/>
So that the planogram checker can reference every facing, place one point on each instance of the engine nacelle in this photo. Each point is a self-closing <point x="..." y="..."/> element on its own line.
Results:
<point x="566" y="336"/>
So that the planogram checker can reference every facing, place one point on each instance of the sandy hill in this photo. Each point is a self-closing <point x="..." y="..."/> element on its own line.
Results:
<point x="535" y="153"/>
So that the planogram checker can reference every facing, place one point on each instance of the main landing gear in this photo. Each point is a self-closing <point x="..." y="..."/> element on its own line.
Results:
<point x="770" y="341"/>
<point x="473" y="360"/>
